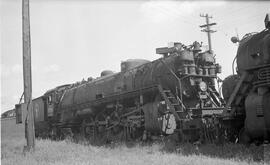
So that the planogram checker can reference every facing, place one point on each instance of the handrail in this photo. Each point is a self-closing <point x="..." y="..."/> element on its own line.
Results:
<point x="182" y="104"/>
<point x="171" y="107"/>
<point x="175" y="76"/>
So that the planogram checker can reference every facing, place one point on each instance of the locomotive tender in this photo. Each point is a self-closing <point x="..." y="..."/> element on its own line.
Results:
<point x="248" y="92"/>
<point x="174" y="96"/>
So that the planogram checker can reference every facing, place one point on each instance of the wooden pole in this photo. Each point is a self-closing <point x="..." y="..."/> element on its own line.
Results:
<point x="208" y="29"/>
<point x="27" y="76"/>
<point x="208" y="32"/>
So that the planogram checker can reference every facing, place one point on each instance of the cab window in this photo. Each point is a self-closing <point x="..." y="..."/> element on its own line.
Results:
<point x="50" y="99"/>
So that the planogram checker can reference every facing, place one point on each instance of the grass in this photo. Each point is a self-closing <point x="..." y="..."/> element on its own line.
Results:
<point x="49" y="152"/>
<point x="66" y="152"/>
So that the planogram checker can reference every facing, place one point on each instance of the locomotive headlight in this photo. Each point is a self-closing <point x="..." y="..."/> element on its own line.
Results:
<point x="203" y="86"/>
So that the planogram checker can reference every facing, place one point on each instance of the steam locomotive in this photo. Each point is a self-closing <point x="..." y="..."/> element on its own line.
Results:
<point x="174" y="96"/>
<point x="248" y="93"/>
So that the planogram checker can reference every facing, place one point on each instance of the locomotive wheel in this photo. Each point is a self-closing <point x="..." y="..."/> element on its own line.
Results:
<point x="113" y="123"/>
<point x="76" y="134"/>
<point x="131" y="134"/>
<point x="101" y="132"/>
<point x="89" y="129"/>
<point x="54" y="133"/>
<point x="113" y="128"/>
<point x="212" y="131"/>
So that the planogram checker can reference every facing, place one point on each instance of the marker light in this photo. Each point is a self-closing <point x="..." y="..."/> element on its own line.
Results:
<point x="203" y="86"/>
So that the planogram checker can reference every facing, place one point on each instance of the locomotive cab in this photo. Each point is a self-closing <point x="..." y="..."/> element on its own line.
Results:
<point x="52" y="98"/>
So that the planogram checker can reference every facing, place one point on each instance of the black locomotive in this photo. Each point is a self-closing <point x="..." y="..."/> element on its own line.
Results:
<point x="248" y="93"/>
<point x="175" y="95"/>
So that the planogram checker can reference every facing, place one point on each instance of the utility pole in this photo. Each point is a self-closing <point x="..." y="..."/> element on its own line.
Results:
<point x="208" y="29"/>
<point x="27" y="77"/>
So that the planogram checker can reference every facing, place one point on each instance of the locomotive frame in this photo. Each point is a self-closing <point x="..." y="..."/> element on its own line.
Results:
<point x="174" y="96"/>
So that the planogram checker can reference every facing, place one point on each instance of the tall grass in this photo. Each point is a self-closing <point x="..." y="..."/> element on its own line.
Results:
<point x="49" y="152"/>
<point x="66" y="152"/>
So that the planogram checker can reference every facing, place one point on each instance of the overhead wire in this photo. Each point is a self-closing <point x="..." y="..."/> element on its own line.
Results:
<point x="224" y="26"/>
<point x="175" y="14"/>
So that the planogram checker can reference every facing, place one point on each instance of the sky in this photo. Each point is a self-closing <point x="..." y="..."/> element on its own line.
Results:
<point x="76" y="39"/>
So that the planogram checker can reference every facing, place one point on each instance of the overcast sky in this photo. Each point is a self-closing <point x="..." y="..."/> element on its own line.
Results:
<point x="73" y="39"/>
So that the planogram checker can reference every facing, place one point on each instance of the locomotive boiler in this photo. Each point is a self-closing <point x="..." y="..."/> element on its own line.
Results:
<point x="174" y="96"/>
<point x="248" y="92"/>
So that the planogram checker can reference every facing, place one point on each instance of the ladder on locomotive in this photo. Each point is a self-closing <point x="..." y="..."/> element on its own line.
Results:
<point x="239" y="93"/>
<point x="173" y="102"/>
